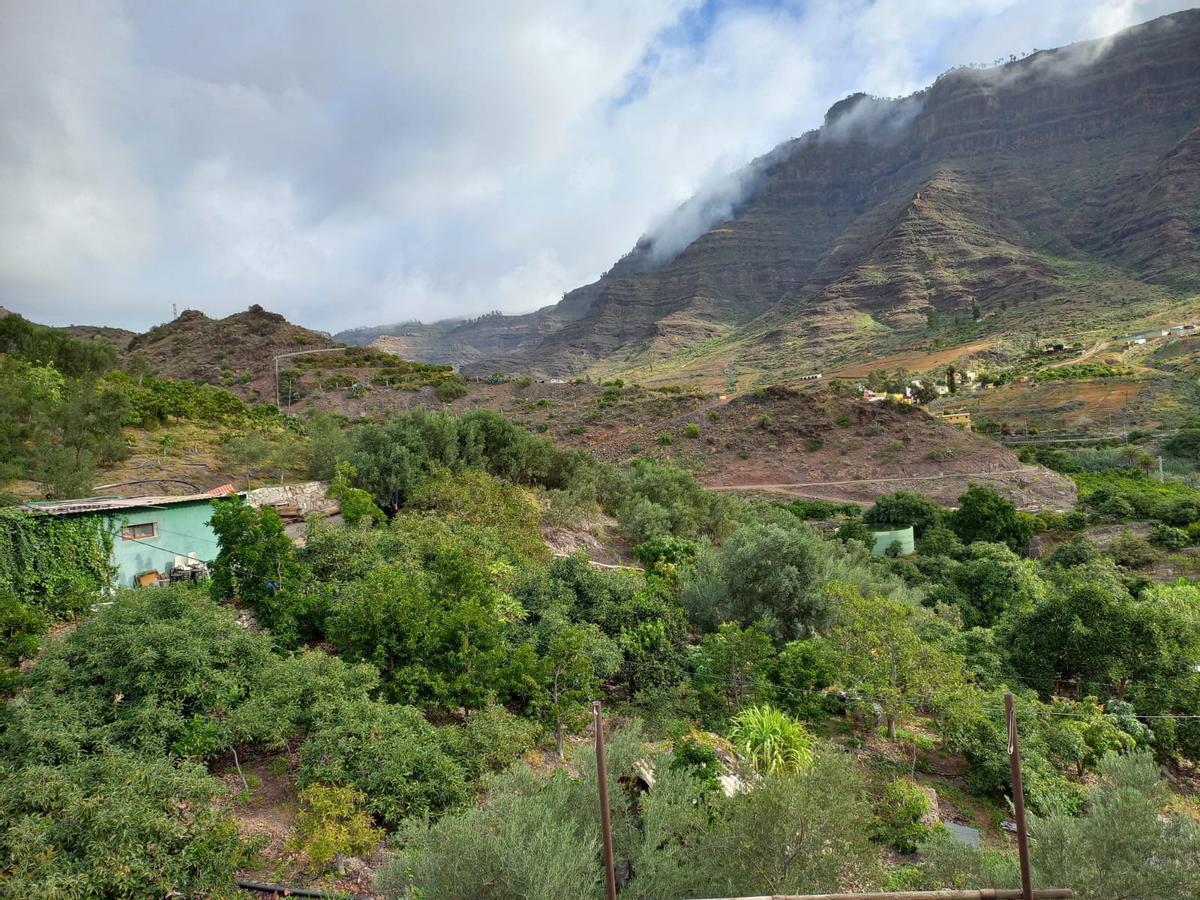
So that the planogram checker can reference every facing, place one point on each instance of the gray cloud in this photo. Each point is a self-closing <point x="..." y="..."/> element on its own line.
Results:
<point x="371" y="160"/>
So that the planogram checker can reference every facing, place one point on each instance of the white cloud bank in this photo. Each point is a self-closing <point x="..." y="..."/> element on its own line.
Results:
<point x="364" y="161"/>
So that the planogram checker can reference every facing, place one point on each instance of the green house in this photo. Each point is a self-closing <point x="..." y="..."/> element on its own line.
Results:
<point x="151" y="535"/>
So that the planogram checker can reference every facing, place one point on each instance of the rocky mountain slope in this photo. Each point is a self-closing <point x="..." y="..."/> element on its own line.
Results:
<point x="1060" y="191"/>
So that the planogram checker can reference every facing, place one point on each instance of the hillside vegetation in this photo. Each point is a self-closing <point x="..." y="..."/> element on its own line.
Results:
<point x="409" y="702"/>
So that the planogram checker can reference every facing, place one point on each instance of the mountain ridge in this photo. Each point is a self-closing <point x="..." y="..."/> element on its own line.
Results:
<point x="1074" y="160"/>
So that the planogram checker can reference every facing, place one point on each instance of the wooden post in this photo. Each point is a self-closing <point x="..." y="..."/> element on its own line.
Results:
<point x="610" y="872"/>
<point x="1014" y="759"/>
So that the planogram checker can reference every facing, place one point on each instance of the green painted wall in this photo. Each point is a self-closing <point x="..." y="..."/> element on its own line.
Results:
<point x="180" y="529"/>
<point x="884" y="539"/>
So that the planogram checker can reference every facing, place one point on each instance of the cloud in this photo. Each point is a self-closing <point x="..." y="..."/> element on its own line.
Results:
<point x="380" y="161"/>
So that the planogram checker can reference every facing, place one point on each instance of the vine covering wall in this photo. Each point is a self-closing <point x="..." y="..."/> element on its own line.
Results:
<point x="54" y="564"/>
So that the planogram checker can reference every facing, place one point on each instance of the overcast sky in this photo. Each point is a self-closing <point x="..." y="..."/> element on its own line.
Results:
<point x="359" y="162"/>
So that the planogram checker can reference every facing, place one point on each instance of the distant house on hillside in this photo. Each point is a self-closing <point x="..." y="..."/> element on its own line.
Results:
<point x="153" y="537"/>
<point x="957" y="419"/>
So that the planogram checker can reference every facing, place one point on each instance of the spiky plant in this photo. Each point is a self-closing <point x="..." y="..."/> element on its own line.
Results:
<point x="771" y="740"/>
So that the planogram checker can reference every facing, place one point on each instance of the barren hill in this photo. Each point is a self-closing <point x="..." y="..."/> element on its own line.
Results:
<point x="1054" y="193"/>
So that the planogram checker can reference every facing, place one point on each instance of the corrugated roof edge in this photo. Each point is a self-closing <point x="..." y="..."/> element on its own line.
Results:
<point x="107" y="504"/>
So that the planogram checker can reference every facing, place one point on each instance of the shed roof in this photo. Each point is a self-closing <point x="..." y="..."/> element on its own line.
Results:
<point x="112" y="504"/>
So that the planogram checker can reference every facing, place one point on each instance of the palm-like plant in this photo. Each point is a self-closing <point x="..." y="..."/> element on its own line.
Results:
<point x="771" y="740"/>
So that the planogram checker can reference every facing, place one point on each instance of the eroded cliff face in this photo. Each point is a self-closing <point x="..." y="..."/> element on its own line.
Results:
<point x="991" y="188"/>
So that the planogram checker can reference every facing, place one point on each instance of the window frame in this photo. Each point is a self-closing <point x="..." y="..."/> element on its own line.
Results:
<point x="129" y="531"/>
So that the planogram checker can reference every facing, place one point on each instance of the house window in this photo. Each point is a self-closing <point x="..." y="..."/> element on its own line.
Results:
<point x="138" y="532"/>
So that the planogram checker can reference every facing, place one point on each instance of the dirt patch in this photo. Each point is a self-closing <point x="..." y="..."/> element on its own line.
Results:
<point x="915" y="360"/>
<point x="266" y="812"/>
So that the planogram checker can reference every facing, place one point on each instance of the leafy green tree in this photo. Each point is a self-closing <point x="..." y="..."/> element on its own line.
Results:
<point x="576" y="657"/>
<point x="904" y="508"/>
<point x="160" y="672"/>
<point x="984" y="515"/>
<point x="436" y="633"/>
<point x="803" y="670"/>
<point x="1091" y="630"/>
<point x="938" y="540"/>
<point x="881" y="654"/>
<point x="257" y="565"/>
<point x="1078" y="551"/>
<point x="991" y="582"/>
<point x="356" y="504"/>
<point x="775" y="576"/>
<point x="732" y="668"/>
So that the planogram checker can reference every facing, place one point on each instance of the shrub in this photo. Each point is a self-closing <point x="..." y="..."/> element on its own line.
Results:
<point x="816" y="442"/>
<point x="492" y="739"/>
<point x="158" y="671"/>
<point x="1131" y="550"/>
<point x="665" y="549"/>
<point x="450" y="389"/>
<point x="387" y="752"/>
<point x="331" y="823"/>
<point x="766" y="420"/>
<point x="771" y="740"/>
<point x="1168" y="537"/>
<point x="821" y="509"/>
<point x="1076" y="552"/>
<point x="116" y="824"/>
<point x="712" y="415"/>
<point x="691" y="430"/>
<point x="900" y="814"/>
<point x="664" y="438"/>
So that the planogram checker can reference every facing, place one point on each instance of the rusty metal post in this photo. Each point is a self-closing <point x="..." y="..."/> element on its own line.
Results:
<point x="1014" y="759"/>
<point x="610" y="872"/>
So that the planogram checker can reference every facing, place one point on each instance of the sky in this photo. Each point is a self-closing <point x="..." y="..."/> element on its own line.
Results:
<point x="372" y="161"/>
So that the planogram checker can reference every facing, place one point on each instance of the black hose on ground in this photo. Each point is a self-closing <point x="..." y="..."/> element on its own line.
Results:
<point x="284" y="891"/>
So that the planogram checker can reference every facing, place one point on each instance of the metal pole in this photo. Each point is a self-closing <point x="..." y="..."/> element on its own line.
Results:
<point x="610" y="873"/>
<point x="277" y="403"/>
<point x="1014" y="759"/>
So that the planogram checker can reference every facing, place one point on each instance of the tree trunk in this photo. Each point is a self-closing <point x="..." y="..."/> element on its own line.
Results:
<point x="891" y="728"/>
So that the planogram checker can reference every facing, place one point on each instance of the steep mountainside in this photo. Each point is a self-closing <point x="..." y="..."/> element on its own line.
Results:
<point x="1060" y="191"/>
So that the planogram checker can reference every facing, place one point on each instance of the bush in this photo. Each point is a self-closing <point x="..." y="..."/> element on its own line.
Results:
<point x="691" y="430"/>
<point x="390" y="754"/>
<point x="771" y="741"/>
<point x="822" y="509"/>
<point x="1132" y="551"/>
<point x="664" y="438"/>
<point x="1075" y="552"/>
<point x="158" y="671"/>
<point x="116" y="824"/>
<point x="670" y="550"/>
<point x="331" y="823"/>
<point x="900" y="814"/>
<point x="450" y="389"/>
<point x="1169" y="537"/>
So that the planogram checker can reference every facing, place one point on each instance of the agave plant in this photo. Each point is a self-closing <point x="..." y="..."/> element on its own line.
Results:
<point x="771" y="740"/>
